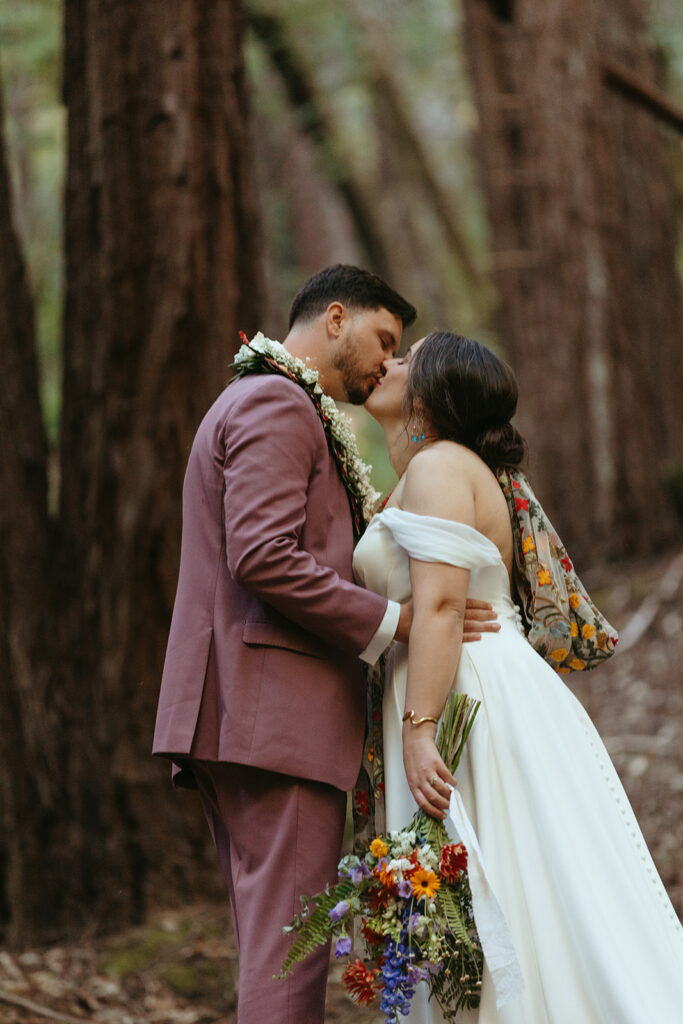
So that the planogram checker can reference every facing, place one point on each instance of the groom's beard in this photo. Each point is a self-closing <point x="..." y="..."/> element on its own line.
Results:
<point x="358" y="384"/>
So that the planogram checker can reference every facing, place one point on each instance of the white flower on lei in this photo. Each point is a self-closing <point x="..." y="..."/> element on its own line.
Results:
<point x="338" y="424"/>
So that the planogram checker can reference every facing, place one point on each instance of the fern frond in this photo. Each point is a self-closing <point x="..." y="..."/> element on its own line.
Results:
<point x="455" y="917"/>
<point x="317" y="927"/>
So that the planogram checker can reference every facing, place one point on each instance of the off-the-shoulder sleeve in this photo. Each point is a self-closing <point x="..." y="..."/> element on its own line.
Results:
<point x="429" y="539"/>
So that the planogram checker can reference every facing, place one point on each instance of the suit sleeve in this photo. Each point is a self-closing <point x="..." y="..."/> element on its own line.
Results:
<point x="272" y="437"/>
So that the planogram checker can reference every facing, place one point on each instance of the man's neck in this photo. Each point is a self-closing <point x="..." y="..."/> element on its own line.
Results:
<point x="314" y="351"/>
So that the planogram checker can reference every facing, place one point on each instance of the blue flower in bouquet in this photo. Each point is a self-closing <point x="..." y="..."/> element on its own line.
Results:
<point x="399" y="987"/>
<point x="339" y="910"/>
<point x="343" y="947"/>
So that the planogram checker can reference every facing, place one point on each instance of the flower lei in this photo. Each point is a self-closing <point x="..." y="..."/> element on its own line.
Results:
<point x="263" y="355"/>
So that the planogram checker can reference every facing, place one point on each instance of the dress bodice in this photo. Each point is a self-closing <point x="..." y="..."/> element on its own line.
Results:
<point x="381" y="561"/>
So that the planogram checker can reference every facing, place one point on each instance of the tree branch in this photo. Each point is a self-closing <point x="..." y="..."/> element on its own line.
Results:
<point x="388" y="91"/>
<point x="642" y="92"/>
<point x="42" y="1011"/>
<point x="303" y="97"/>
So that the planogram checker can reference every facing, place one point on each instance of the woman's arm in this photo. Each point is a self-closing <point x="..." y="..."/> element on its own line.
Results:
<point x="436" y="484"/>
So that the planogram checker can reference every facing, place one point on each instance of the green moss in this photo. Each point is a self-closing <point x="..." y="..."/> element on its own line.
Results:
<point x="194" y="979"/>
<point x="137" y="951"/>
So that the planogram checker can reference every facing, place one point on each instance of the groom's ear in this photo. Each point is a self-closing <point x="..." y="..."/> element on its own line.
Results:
<point x="335" y="315"/>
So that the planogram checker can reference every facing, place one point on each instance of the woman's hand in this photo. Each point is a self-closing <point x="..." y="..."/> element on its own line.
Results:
<point x="428" y="777"/>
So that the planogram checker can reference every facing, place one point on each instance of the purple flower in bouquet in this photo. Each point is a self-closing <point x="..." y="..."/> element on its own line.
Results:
<point x="343" y="947"/>
<point x="405" y="891"/>
<point x="359" y="873"/>
<point x="339" y="910"/>
<point x="414" y="922"/>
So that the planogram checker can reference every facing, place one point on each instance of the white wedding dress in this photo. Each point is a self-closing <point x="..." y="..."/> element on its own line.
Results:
<point x="597" y="938"/>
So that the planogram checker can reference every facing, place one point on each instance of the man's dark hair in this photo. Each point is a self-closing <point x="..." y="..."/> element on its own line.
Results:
<point x="358" y="289"/>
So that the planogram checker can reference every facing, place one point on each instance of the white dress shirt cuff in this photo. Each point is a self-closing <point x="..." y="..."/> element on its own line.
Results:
<point x="384" y="635"/>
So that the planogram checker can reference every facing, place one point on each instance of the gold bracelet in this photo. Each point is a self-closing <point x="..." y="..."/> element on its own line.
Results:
<point x="410" y="717"/>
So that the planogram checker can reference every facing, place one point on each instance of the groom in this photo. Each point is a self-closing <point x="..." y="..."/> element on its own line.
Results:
<point x="262" y="698"/>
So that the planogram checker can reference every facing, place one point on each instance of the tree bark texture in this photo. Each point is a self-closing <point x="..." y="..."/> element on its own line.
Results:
<point x="582" y="211"/>
<point x="28" y="722"/>
<point x="162" y="271"/>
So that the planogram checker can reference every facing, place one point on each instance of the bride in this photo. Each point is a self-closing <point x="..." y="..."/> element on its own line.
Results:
<point x="597" y="939"/>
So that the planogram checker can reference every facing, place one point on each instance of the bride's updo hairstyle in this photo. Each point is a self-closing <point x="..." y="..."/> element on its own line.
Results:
<point x="468" y="395"/>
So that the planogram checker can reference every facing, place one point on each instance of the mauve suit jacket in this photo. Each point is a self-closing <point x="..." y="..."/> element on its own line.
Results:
<point x="262" y="663"/>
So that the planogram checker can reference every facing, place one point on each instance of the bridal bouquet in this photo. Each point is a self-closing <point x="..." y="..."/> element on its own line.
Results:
<point x="408" y="895"/>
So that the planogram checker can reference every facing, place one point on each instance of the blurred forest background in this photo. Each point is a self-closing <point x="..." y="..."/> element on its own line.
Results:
<point x="170" y="173"/>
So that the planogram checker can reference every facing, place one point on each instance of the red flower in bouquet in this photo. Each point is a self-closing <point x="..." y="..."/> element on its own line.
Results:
<point x="453" y="861"/>
<point x="360" y="983"/>
<point x="372" y="937"/>
<point x="378" y="898"/>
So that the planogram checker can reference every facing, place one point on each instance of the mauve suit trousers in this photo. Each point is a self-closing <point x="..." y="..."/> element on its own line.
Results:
<point x="277" y="837"/>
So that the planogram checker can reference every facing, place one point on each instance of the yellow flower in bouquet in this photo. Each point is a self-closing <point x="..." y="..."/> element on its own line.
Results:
<point x="378" y="848"/>
<point x="424" y="883"/>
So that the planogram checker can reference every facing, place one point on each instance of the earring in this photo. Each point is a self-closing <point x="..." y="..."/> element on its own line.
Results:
<point x="416" y="437"/>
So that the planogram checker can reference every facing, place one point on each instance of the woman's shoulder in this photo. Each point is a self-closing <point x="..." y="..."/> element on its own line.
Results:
<point x="445" y="455"/>
<point x="441" y="480"/>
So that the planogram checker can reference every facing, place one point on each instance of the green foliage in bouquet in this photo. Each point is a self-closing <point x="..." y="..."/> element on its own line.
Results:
<point x="409" y="894"/>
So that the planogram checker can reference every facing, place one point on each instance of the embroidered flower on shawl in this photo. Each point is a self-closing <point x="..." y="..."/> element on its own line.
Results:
<point x="601" y="640"/>
<point x="561" y="622"/>
<point x="361" y="801"/>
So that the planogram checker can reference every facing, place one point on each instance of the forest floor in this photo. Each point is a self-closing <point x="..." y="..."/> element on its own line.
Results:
<point x="182" y="969"/>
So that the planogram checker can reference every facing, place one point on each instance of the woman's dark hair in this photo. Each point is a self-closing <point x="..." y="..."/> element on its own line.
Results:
<point x="356" y="288"/>
<point x="468" y="395"/>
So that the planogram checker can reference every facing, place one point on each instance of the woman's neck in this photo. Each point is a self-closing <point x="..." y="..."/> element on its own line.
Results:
<point x="401" y="448"/>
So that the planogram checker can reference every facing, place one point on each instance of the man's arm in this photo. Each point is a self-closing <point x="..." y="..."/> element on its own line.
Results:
<point x="271" y="438"/>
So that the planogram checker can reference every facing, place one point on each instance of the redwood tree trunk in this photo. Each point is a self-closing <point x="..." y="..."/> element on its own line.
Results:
<point x="582" y="212"/>
<point x="28" y="721"/>
<point x="162" y="271"/>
